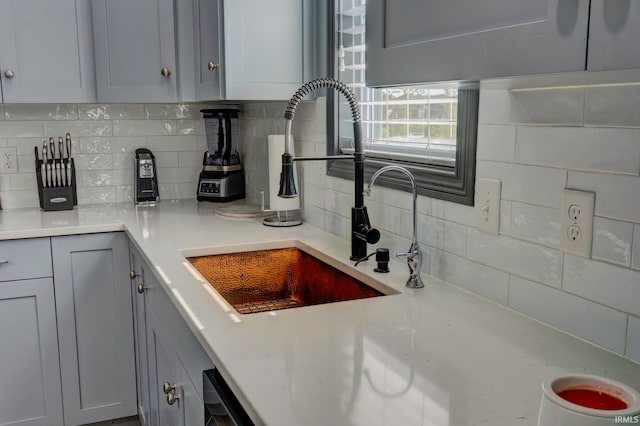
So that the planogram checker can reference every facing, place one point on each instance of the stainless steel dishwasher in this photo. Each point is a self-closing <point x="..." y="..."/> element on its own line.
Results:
<point x="221" y="407"/>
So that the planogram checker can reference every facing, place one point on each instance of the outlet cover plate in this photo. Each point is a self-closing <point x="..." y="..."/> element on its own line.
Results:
<point x="487" y="205"/>
<point x="8" y="160"/>
<point x="576" y="222"/>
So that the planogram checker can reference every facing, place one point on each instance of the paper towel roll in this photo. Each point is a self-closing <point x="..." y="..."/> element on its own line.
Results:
<point x="276" y="148"/>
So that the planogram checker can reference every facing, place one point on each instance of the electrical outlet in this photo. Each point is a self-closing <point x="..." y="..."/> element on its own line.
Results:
<point x="8" y="160"/>
<point x="487" y="205"/>
<point x="577" y="222"/>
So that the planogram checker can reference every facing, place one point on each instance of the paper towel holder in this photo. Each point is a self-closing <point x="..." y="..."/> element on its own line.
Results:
<point x="285" y="218"/>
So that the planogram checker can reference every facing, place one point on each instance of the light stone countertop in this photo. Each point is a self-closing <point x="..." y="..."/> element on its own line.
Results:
<point x="432" y="356"/>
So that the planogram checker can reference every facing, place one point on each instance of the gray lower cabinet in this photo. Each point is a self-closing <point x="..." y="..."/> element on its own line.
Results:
<point x="135" y="50"/>
<point x="139" y="276"/>
<point x="95" y="326"/>
<point x="175" y="401"/>
<point x="30" y="367"/>
<point x="46" y="51"/>
<point x="434" y="40"/>
<point x="170" y="357"/>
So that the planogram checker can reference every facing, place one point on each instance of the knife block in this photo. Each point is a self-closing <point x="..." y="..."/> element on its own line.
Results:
<point x="53" y="198"/>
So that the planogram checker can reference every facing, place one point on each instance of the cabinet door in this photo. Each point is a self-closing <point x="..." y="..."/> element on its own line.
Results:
<point x="95" y="326"/>
<point x="47" y="47"/>
<point x="162" y="369"/>
<point x="135" y="50"/>
<point x="268" y="48"/>
<point x="138" y="284"/>
<point x="439" y="40"/>
<point x="614" y="35"/>
<point x="207" y="28"/>
<point x="31" y="394"/>
<point x="192" y="412"/>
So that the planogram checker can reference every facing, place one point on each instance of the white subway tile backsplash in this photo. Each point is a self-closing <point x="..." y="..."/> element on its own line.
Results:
<point x="611" y="150"/>
<point x="496" y="143"/>
<point x="612" y="240"/>
<point x="521" y="258"/>
<point x="176" y="143"/>
<point x="78" y="128"/>
<point x="480" y="279"/>
<point x="102" y="178"/>
<point x="124" y="160"/>
<point x="175" y="111"/>
<point x="20" y="199"/>
<point x="455" y="238"/>
<point x="505" y="217"/>
<point x="612" y="106"/>
<point x="41" y="112"/>
<point x="606" y="284"/>
<point x="190" y="159"/>
<point x="124" y="193"/>
<point x="24" y="146"/>
<point x="190" y="127"/>
<point x="144" y="127"/>
<point x="93" y="162"/>
<point x="106" y="194"/>
<point x="583" y="318"/>
<point x="536" y="224"/>
<point x="21" y="129"/>
<point x="635" y="251"/>
<point x="111" y="111"/>
<point x="22" y="181"/>
<point x="168" y="175"/>
<point x="633" y="338"/>
<point x="165" y="159"/>
<point x="336" y="224"/>
<point x="617" y="197"/>
<point x="507" y="107"/>
<point x="453" y="212"/>
<point x="106" y="145"/>
<point x="527" y="184"/>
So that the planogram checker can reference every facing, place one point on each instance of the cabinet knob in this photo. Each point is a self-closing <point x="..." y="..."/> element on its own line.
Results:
<point x="133" y="275"/>
<point x="9" y="74"/>
<point x="167" y="388"/>
<point x="165" y="72"/>
<point x="3" y="261"/>
<point x="141" y="288"/>
<point x="212" y="66"/>
<point x="172" y="398"/>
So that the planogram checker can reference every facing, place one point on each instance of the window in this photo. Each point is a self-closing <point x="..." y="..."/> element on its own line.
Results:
<point x="430" y="129"/>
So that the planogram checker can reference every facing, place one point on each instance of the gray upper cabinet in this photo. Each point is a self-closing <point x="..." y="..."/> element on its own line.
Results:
<point x="614" y="35"/>
<point x="46" y="51"/>
<point x="436" y="40"/>
<point x="209" y="78"/>
<point x="95" y="327"/>
<point x="268" y="48"/>
<point x="135" y="50"/>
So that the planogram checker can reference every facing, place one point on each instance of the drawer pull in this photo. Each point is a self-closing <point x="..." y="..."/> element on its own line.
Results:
<point x="172" y="398"/>
<point x="3" y="261"/>
<point x="167" y="388"/>
<point x="141" y="288"/>
<point x="133" y="275"/>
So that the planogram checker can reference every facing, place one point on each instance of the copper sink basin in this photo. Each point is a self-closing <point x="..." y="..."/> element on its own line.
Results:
<point x="267" y="280"/>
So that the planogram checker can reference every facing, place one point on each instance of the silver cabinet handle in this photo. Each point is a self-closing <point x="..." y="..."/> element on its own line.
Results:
<point x="165" y="72"/>
<point x="9" y="74"/>
<point x="141" y="288"/>
<point x="3" y="262"/>
<point x="133" y="275"/>
<point x="212" y="66"/>
<point x="172" y="398"/>
<point x="167" y="388"/>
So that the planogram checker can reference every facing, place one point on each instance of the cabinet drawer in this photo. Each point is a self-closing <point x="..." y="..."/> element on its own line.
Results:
<point x="23" y="259"/>
<point x="178" y="333"/>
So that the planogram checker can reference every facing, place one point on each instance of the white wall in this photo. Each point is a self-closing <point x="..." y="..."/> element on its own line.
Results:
<point x="536" y="143"/>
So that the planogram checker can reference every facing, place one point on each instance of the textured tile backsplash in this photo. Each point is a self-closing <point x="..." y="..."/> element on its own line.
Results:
<point x="105" y="137"/>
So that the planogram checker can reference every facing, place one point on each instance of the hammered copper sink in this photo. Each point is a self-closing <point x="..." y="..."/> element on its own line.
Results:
<point x="266" y="280"/>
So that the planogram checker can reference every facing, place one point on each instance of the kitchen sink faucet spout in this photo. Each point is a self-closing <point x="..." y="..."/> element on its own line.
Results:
<point x="361" y="230"/>
<point x="414" y="255"/>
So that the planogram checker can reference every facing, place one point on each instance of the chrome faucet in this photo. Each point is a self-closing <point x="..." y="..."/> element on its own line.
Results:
<point x="414" y="255"/>
<point x="361" y="230"/>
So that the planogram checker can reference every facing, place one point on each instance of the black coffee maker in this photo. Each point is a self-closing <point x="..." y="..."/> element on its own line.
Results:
<point x="222" y="177"/>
